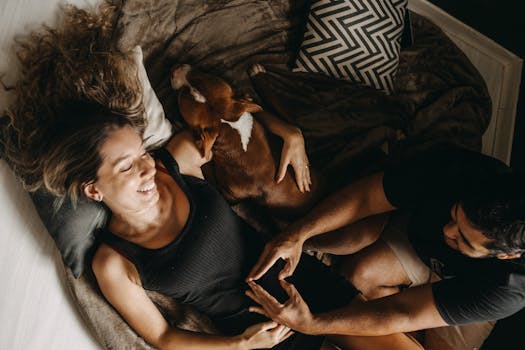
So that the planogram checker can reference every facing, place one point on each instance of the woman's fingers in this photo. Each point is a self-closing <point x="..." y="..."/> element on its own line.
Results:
<point x="306" y="178"/>
<point x="302" y="175"/>
<point x="299" y="177"/>
<point x="282" y="332"/>
<point x="301" y="171"/>
<point x="267" y="326"/>
<point x="288" y="335"/>
<point x="283" y="165"/>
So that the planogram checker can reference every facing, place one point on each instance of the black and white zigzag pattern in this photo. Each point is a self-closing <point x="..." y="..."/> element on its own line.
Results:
<point x="358" y="40"/>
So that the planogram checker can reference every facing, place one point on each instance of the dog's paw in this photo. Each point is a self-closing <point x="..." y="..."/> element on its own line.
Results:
<point x="256" y="69"/>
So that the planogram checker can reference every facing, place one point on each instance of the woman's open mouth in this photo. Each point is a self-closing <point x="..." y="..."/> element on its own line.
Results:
<point x="148" y="188"/>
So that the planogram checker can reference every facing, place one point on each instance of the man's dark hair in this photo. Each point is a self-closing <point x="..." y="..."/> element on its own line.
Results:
<point x="496" y="207"/>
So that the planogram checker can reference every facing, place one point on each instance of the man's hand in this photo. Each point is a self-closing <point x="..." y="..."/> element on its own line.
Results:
<point x="282" y="246"/>
<point x="294" y="313"/>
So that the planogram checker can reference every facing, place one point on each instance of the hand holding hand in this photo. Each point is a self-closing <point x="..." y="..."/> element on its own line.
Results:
<point x="264" y="335"/>
<point x="294" y="313"/>
<point x="282" y="246"/>
<point x="294" y="154"/>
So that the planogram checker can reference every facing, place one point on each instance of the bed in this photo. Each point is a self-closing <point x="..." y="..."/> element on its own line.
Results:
<point x="38" y="310"/>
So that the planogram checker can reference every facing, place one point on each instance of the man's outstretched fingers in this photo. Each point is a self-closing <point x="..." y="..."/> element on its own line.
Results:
<point x="286" y="271"/>
<point x="251" y="294"/>
<point x="258" y="310"/>
<point x="264" y="298"/>
<point x="266" y="260"/>
<point x="289" y="288"/>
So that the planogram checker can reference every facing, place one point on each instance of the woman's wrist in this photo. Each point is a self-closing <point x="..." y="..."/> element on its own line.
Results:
<point x="292" y="134"/>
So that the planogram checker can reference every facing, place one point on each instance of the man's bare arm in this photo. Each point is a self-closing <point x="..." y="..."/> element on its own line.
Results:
<point x="362" y="198"/>
<point x="410" y="310"/>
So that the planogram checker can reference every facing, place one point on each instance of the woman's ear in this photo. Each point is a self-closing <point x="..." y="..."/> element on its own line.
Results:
<point x="91" y="191"/>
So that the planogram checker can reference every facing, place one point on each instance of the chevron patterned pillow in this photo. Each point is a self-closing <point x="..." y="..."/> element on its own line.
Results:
<point x="356" y="40"/>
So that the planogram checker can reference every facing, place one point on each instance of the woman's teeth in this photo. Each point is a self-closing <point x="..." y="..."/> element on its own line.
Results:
<point x="147" y="188"/>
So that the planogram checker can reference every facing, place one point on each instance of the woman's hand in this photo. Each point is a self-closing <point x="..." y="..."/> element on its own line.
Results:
<point x="264" y="335"/>
<point x="294" y="313"/>
<point x="294" y="154"/>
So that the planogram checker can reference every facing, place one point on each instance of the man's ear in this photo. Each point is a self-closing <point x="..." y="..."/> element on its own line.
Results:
<point x="505" y="256"/>
<point x="91" y="191"/>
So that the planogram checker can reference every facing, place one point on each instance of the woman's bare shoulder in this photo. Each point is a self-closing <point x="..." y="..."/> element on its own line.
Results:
<point x="183" y="148"/>
<point x="110" y="266"/>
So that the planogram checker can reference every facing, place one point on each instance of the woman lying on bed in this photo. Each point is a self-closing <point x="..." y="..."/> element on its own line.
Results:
<point x="171" y="232"/>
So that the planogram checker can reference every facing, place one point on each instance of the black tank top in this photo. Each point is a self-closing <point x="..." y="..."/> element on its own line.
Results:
<point x="205" y="265"/>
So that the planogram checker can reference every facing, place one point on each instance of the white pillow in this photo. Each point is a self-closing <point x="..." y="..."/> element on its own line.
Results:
<point x="158" y="130"/>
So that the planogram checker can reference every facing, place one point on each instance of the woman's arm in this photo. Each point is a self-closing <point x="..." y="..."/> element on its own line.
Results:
<point x="293" y="153"/>
<point x="119" y="282"/>
<point x="182" y="147"/>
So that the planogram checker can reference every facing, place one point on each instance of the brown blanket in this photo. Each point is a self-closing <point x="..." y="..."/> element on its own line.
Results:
<point x="440" y="98"/>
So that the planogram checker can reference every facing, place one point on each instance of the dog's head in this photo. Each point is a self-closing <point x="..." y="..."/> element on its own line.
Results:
<point x="205" y="100"/>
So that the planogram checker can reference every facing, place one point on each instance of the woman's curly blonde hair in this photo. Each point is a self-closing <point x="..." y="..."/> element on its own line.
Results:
<point x="75" y="62"/>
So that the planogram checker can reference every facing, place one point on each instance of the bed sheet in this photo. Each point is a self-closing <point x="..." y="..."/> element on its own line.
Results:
<point x="37" y="312"/>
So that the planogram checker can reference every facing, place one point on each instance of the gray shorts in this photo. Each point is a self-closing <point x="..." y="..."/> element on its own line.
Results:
<point x="466" y="337"/>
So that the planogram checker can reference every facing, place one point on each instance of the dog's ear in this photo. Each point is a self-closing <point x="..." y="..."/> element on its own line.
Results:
<point x="204" y="140"/>
<point x="239" y="107"/>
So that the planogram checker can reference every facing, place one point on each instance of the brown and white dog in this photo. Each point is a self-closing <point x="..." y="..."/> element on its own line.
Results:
<point x="245" y="156"/>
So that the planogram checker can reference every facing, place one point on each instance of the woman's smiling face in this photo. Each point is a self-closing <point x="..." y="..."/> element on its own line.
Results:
<point x="126" y="179"/>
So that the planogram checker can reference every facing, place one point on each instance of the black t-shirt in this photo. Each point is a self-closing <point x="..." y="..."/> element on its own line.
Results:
<point x="471" y="290"/>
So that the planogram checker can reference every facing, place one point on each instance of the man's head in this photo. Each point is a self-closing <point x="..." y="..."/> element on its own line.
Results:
<point x="490" y="220"/>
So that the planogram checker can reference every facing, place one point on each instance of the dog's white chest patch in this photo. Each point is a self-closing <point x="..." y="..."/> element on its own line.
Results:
<point x="244" y="126"/>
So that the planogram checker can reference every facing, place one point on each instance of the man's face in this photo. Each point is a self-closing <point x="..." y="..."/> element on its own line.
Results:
<point x="460" y="235"/>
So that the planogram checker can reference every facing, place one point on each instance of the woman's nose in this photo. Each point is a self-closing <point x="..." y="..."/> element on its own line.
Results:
<point x="147" y="166"/>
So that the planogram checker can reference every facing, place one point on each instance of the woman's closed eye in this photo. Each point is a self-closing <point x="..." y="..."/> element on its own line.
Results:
<point x="126" y="168"/>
